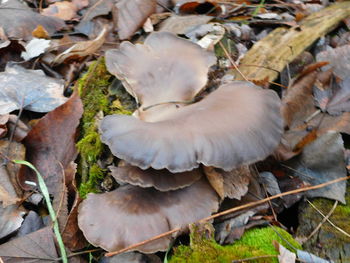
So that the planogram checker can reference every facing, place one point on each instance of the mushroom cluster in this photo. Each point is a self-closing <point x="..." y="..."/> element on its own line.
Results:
<point x="169" y="144"/>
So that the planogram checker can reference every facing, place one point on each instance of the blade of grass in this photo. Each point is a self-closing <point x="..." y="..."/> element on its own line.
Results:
<point x="52" y="213"/>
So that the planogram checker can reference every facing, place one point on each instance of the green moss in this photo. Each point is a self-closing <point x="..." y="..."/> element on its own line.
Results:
<point x="96" y="174"/>
<point x="254" y="243"/>
<point x="93" y="88"/>
<point x="328" y="241"/>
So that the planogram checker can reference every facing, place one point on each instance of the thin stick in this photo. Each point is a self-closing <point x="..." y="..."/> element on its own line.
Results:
<point x="329" y="221"/>
<point x="323" y="220"/>
<point x="231" y="60"/>
<point x="234" y="209"/>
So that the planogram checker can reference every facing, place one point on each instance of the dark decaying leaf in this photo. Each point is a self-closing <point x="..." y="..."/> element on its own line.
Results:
<point x="338" y="59"/>
<point x="29" y="89"/>
<point x="51" y="148"/>
<point x="162" y="180"/>
<point x="37" y="247"/>
<point x="132" y="14"/>
<point x="11" y="218"/>
<point x="18" y="20"/>
<point x="176" y="68"/>
<point x="340" y="100"/>
<point x="237" y="124"/>
<point x="131" y="214"/>
<point x="322" y="161"/>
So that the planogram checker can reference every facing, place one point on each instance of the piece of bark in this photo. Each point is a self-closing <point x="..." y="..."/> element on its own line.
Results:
<point x="268" y="57"/>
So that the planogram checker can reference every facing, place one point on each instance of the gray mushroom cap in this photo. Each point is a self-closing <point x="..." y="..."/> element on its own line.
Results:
<point x="237" y="124"/>
<point x="131" y="214"/>
<point x="165" y="68"/>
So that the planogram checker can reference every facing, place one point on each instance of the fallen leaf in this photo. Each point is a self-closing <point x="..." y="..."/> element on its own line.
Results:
<point x="232" y="184"/>
<point x="183" y="24"/>
<point x="72" y="236"/>
<point x="284" y="255"/>
<point x="64" y="10"/>
<point x="25" y="20"/>
<point x="35" y="47"/>
<point x="310" y="258"/>
<point x="51" y="148"/>
<point x="338" y="59"/>
<point x="132" y="14"/>
<point x="10" y="191"/>
<point x="29" y="89"/>
<point x="11" y="218"/>
<point x="322" y="161"/>
<point x="82" y="49"/>
<point x="37" y="247"/>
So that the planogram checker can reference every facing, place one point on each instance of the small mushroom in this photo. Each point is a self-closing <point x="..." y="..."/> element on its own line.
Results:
<point x="165" y="68"/>
<point x="162" y="180"/>
<point x="237" y="124"/>
<point x="131" y="214"/>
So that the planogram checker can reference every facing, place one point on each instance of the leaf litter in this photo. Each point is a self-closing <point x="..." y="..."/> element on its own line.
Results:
<point x="181" y="156"/>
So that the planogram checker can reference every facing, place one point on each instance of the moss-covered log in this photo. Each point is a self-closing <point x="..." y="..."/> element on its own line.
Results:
<point x="268" y="57"/>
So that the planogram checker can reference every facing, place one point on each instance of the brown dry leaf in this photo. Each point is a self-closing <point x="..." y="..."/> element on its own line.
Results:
<point x="82" y="49"/>
<point x="233" y="184"/>
<point x="216" y="180"/>
<point x="131" y="14"/>
<point x="235" y="125"/>
<point x="131" y="214"/>
<point x="162" y="180"/>
<point x="36" y="247"/>
<point x="10" y="191"/>
<point x="65" y="10"/>
<point x="72" y="236"/>
<point x="3" y="128"/>
<point x="51" y="148"/>
<point x="297" y="97"/>
<point x="19" y="21"/>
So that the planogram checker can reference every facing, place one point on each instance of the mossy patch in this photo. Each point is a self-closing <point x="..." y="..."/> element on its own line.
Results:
<point x="93" y="88"/>
<point x="328" y="242"/>
<point x="254" y="243"/>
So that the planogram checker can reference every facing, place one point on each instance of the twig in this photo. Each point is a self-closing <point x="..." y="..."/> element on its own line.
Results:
<point x="329" y="221"/>
<point x="323" y="220"/>
<point x="231" y="60"/>
<point x="253" y="258"/>
<point x="234" y="209"/>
